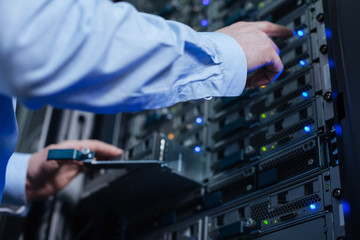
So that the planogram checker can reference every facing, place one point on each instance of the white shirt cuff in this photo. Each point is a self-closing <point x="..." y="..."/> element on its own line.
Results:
<point x="16" y="172"/>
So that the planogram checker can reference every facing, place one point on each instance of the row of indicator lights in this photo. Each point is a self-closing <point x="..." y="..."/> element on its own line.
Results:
<point x="205" y="22"/>
<point x="306" y="129"/>
<point x="304" y="94"/>
<point x="264" y="149"/>
<point x="301" y="33"/>
<point x="199" y="120"/>
<point x="266" y="222"/>
<point x="263" y="115"/>
<point x="312" y="206"/>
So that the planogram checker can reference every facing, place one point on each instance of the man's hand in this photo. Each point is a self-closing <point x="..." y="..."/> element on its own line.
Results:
<point x="44" y="178"/>
<point x="262" y="54"/>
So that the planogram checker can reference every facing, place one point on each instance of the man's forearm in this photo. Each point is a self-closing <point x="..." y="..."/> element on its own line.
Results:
<point x="66" y="53"/>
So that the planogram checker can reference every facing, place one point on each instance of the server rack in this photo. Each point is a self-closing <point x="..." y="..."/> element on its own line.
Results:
<point x="280" y="147"/>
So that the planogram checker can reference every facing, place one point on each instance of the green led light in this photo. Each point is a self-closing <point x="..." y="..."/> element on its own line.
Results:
<point x="275" y="221"/>
<point x="272" y="113"/>
<point x="272" y="146"/>
<point x="261" y="4"/>
<point x="263" y="115"/>
<point x="327" y="185"/>
<point x="266" y="222"/>
<point x="263" y="148"/>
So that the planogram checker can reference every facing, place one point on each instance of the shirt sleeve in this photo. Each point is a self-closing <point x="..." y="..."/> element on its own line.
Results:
<point x="95" y="55"/>
<point x="14" y="200"/>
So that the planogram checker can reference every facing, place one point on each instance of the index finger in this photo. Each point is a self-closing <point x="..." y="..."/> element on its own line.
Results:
<point x="275" y="30"/>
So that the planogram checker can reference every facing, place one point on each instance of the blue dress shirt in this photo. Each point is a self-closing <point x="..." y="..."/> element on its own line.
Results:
<point x="98" y="56"/>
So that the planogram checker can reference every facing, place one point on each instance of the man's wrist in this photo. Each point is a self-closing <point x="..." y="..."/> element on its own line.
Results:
<point x="233" y="61"/>
<point x="14" y="192"/>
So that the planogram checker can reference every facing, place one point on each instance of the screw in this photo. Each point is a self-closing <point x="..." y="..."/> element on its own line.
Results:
<point x="320" y="17"/>
<point x="328" y="96"/>
<point x="249" y="187"/>
<point x="337" y="193"/>
<point x="323" y="49"/>
<point x="250" y="223"/>
<point x="249" y="117"/>
<point x="249" y="150"/>
<point x="311" y="162"/>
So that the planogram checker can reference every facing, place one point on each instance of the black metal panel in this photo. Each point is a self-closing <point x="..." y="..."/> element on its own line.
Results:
<point x="343" y="34"/>
<point x="139" y="191"/>
<point x="313" y="230"/>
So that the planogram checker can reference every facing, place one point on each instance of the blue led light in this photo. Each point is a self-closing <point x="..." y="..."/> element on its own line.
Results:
<point x="197" y="149"/>
<point x="199" y="120"/>
<point x="305" y="94"/>
<point x="346" y="207"/>
<point x="328" y="33"/>
<point x="313" y="206"/>
<point x="302" y="62"/>
<point x="204" y="22"/>
<point x="205" y="2"/>
<point x="338" y="130"/>
<point x="300" y="33"/>
<point x="307" y="128"/>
